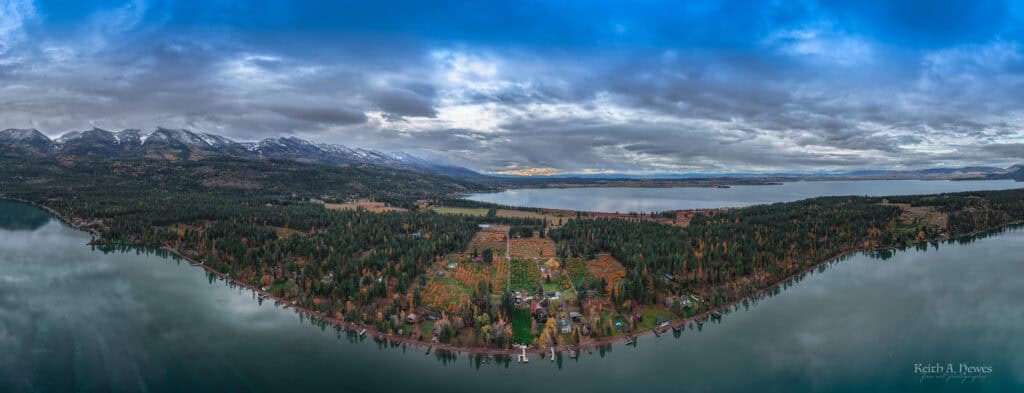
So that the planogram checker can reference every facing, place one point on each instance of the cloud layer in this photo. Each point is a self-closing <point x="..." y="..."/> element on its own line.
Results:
<point x="540" y="88"/>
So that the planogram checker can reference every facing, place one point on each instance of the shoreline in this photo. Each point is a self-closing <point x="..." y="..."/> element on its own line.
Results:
<point x="604" y="341"/>
<point x="372" y="333"/>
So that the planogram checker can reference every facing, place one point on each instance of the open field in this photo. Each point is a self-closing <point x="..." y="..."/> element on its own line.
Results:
<point x="376" y="207"/>
<point x="522" y="327"/>
<point x="531" y="247"/>
<point x="576" y="271"/>
<point x="552" y="218"/>
<point x="608" y="268"/>
<point x="493" y="238"/>
<point x="651" y="314"/>
<point x="480" y="212"/>
<point x="445" y="293"/>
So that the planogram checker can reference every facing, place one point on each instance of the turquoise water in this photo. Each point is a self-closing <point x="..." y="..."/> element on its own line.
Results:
<point x="633" y="199"/>
<point x="77" y="319"/>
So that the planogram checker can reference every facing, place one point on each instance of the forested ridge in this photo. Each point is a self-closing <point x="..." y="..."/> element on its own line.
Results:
<point x="265" y="223"/>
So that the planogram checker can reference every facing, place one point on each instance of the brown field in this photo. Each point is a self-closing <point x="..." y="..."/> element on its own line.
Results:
<point x="444" y="294"/>
<point x="469" y="274"/>
<point x="532" y="247"/>
<point x="285" y="233"/>
<point x="493" y="238"/>
<point x="925" y="215"/>
<point x="501" y="271"/>
<point x="466" y="211"/>
<point x="607" y="267"/>
<point x="552" y="217"/>
<point x="370" y="206"/>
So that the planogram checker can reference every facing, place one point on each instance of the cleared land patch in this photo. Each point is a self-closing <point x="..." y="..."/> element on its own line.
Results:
<point x="493" y="237"/>
<point x="466" y="211"/>
<point x="608" y="268"/>
<point x="371" y="206"/>
<point x="531" y="247"/>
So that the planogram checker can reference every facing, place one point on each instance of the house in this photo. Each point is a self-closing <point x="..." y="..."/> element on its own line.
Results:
<point x="553" y="295"/>
<point x="484" y="226"/>
<point x="564" y="325"/>
<point x="429" y="315"/>
<point x="662" y="321"/>
<point x="541" y="314"/>
<point x="575" y="316"/>
<point x="669" y="301"/>
<point x="411" y="318"/>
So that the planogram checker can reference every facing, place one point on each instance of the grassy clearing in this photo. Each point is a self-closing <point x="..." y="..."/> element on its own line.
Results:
<point x="550" y="218"/>
<point x="651" y="314"/>
<point x="522" y="326"/>
<point x="577" y="271"/>
<point x="284" y="233"/>
<point x="493" y="238"/>
<point x="445" y="293"/>
<point x="608" y="268"/>
<point x="371" y="206"/>
<point x="466" y="211"/>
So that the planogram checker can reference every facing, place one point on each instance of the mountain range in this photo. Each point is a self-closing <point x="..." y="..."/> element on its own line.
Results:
<point x="181" y="144"/>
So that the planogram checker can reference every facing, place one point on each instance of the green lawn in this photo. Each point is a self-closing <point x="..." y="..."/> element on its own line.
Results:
<point x="522" y="323"/>
<point x="651" y="314"/>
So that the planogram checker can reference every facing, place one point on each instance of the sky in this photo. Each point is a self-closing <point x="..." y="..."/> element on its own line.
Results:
<point x="540" y="87"/>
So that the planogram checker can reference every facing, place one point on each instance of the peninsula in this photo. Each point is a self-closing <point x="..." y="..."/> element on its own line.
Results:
<point x="396" y="252"/>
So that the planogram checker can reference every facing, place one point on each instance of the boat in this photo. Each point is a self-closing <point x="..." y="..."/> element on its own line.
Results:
<point x="630" y="341"/>
<point x="552" y="354"/>
<point x="362" y="332"/>
<point x="677" y="328"/>
<point x="572" y="354"/>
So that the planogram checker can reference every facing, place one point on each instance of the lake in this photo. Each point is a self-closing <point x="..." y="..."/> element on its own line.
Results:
<point x="77" y="319"/>
<point x="637" y="199"/>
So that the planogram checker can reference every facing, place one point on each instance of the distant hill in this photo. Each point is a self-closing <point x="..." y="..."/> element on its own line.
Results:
<point x="181" y="144"/>
<point x="1015" y="172"/>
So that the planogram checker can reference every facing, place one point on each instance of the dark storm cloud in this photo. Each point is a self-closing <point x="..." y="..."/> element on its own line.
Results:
<point x="323" y="115"/>
<point x="579" y="86"/>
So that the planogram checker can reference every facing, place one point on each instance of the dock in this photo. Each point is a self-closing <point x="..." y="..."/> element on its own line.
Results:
<point x="521" y="358"/>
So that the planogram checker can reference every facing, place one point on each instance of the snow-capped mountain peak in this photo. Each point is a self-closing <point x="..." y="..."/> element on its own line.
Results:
<point x="168" y="143"/>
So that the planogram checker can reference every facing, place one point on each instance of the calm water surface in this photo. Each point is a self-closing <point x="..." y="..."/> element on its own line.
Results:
<point x="633" y="199"/>
<point x="76" y="319"/>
